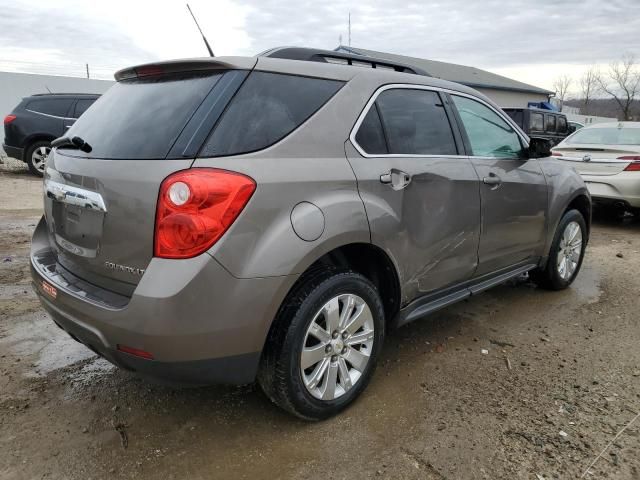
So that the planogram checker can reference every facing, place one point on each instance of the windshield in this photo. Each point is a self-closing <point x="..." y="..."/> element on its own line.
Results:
<point x="141" y="118"/>
<point x="607" y="136"/>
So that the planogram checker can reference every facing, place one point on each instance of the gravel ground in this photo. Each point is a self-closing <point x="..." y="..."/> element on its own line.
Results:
<point x="561" y="378"/>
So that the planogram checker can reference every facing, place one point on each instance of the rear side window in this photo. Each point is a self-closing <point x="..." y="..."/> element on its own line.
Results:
<point x="370" y="136"/>
<point x="141" y="118"/>
<point x="82" y="105"/>
<point x="267" y="108"/>
<point x="415" y="123"/>
<point x="537" y="122"/>
<point x="551" y="123"/>
<point x="562" y="125"/>
<point x="58" y="107"/>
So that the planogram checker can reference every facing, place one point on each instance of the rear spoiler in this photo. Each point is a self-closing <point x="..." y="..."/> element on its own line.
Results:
<point x="187" y="65"/>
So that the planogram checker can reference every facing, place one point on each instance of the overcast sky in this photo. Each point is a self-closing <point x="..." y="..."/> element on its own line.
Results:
<point x="531" y="41"/>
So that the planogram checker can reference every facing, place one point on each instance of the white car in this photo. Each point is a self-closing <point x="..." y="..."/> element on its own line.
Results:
<point x="607" y="156"/>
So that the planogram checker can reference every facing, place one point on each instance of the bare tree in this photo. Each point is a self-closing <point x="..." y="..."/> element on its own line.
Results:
<point x="561" y="86"/>
<point x="589" y="87"/>
<point x="622" y="82"/>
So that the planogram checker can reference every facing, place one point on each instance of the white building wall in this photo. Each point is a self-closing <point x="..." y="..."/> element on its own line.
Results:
<point x="15" y="86"/>
<point x="510" y="99"/>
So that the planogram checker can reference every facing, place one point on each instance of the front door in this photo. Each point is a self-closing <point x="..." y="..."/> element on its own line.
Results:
<point x="420" y="192"/>
<point x="513" y="189"/>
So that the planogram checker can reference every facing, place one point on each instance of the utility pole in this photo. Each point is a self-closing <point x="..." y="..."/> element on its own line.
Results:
<point x="87" y="65"/>
<point x="349" y="28"/>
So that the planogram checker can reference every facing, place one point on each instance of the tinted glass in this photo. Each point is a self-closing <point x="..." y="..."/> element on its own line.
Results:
<point x="267" y="107"/>
<point x="141" y="118"/>
<point x="488" y="133"/>
<point x="537" y="122"/>
<point x="370" y="136"/>
<point x="606" y="136"/>
<point x="516" y="116"/>
<point x="562" y="125"/>
<point x="551" y="123"/>
<point x="82" y="105"/>
<point x="58" y="107"/>
<point x="416" y="123"/>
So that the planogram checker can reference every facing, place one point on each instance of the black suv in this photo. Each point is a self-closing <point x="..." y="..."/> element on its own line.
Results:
<point x="39" y="119"/>
<point x="539" y="123"/>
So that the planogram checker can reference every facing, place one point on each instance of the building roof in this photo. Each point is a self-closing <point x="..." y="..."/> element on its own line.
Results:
<point x="470" y="76"/>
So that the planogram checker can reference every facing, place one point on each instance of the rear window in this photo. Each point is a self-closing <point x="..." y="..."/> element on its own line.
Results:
<point x="58" y="107"/>
<point x="537" y="122"/>
<point x="606" y="136"/>
<point x="267" y="108"/>
<point x="141" y="118"/>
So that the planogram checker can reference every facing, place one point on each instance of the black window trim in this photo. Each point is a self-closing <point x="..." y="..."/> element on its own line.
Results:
<point x="454" y="127"/>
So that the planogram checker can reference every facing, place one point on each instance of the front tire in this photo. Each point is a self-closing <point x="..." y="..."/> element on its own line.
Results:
<point x="566" y="255"/>
<point x="323" y="347"/>
<point x="36" y="156"/>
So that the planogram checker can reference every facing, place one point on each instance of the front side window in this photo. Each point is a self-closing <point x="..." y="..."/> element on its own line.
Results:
<point x="551" y="123"/>
<point x="488" y="133"/>
<point x="267" y="108"/>
<point x="415" y="123"/>
<point x="537" y="122"/>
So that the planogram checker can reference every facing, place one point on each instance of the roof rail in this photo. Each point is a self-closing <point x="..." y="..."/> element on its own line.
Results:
<point x="64" y="93"/>
<point x="331" y="56"/>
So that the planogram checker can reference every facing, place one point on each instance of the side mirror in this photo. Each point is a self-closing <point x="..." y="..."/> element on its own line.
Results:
<point x="539" y="148"/>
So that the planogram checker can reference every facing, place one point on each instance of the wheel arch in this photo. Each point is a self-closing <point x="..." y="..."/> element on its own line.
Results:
<point x="33" y="138"/>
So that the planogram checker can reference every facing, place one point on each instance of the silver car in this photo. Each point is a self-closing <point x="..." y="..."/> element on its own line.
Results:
<point x="231" y="219"/>
<point x="607" y="155"/>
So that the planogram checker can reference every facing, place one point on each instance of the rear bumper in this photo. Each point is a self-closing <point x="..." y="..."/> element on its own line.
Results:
<point x="13" y="152"/>
<point x="201" y="324"/>
<point x="624" y="186"/>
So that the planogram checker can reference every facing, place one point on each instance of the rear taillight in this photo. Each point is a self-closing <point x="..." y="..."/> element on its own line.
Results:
<point x="8" y="119"/>
<point x="633" y="166"/>
<point x="196" y="207"/>
<point x="556" y="154"/>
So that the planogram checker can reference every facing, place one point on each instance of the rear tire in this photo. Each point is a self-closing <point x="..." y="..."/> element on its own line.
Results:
<point x="566" y="254"/>
<point x="324" y="344"/>
<point x="36" y="156"/>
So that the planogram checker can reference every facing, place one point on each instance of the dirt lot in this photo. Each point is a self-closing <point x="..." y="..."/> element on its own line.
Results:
<point x="561" y="378"/>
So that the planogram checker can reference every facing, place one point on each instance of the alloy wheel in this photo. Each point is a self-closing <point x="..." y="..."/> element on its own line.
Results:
<point x="337" y="347"/>
<point x="569" y="250"/>
<point x="39" y="157"/>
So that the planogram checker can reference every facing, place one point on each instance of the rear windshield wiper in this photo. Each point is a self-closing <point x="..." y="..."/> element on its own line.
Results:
<point x="74" y="142"/>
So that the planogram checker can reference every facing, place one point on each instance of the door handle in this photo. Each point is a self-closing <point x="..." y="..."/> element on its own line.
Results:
<point x="494" y="180"/>
<point x="396" y="178"/>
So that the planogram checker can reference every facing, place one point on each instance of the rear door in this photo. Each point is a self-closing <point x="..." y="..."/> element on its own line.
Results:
<point x="513" y="190"/>
<point x="100" y="206"/>
<point x="420" y="192"/>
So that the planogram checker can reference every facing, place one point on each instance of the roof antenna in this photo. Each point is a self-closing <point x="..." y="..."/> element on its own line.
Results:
<point x="203" y="37"/>
<point x="48" y="90"/>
